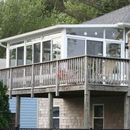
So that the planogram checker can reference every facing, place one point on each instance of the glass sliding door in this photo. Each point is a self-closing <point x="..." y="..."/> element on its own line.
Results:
<point x="76" y="47"/>
<point x="36" y="52"/>
<point x="46" y="47"/>
<point x="12" y="57"/>
<point x="20" y="56"/>
<point x="29" y="54"/>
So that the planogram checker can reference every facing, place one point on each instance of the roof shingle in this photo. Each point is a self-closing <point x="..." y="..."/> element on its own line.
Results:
<point x="121" y="15"/>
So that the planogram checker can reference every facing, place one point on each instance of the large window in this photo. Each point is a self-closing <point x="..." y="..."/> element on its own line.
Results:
<point x="98" y="116"/>
<point x="75" y="47"/>
<point x="29" y="54"/>
<point x="46" y="47"/>
<point x="20" y="55"/>
<point x="36" y="52"/>
<point x="94" y="48"/>
<point x="55" y="117"/>
<point x="12" y="57"/>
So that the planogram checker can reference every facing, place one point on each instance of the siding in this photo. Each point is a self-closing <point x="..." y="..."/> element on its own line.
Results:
<point x="28" y="112"/>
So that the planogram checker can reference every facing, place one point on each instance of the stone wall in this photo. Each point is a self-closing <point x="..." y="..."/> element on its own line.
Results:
<point x="71" y="112"/>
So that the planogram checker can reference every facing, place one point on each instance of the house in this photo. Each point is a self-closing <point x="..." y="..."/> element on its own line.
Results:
<point x="81" y="72"/>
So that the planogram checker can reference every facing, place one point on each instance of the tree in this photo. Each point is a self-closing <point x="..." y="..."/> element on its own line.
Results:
<point x="4" y="107"/>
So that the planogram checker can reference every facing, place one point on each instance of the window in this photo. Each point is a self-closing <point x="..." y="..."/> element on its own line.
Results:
<point x="113" y="50"/>
<point x="88" y="32"/>
<point x="12" y="57"/>
<point x="94" y="48"/>
<point x="56" y="49"/>
<point x="20" y="56"/>
<point x="114" y="33"/>
<point x="36" y="52"/>
<point x="98" y="116"/>
<point x="29" y="54"/>
<point x="75" y="47"/>
<point x="55" y="117"/>
<point x="46" y="55"/>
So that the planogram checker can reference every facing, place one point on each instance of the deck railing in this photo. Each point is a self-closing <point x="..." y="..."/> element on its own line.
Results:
<point x="100" y="70"/>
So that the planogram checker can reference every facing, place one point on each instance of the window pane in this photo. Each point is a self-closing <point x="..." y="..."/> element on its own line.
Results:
<point x="56" y="112"/>
<point x="55" y="123"/>
<point x="56" y="49"/>
<point x="114" y="33"/>
<point x="12" y="57"/>
<point x="113" y="50"/>
<point x="98" y="111"/>
<point x="76" y="47"/>
<point x="98" y="123"/>
<point x="36" y="52"/>
<point x="20" y="56"/>
<point x="94" y="48"/>
<point x="29" y="54"/>
<point x="88" y="32"/>
<point x="46" y="56"/>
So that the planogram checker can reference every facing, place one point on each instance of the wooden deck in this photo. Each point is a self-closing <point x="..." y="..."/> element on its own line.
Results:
<point x="100" y="73"/>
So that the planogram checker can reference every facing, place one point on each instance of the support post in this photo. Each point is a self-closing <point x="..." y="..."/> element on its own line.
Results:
<point x="127" y="103"/>
<point x="10" y="83"/>
<point x="32" y="82"/>
<point x="86" y="100"/>
<point x="17" y="116"/>
<point x="57" y="82"/>
<point x="127" y="112"/>
<point x="50" y="110"/>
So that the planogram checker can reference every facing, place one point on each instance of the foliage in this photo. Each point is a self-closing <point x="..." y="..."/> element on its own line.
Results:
<point x="4" y="107"/>
<point x="19" y="16"/>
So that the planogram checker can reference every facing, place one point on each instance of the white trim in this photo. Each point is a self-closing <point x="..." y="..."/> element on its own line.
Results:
<point x="7" y="56"/>
<point x="3" y="45"/>
<point x="64" y="45"/>
<point x="127" y="55"/>
<point x="60" y="27"/>
<point x="97" y="117"/>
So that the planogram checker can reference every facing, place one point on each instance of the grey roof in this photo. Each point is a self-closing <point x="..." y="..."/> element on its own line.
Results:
<point x="121" y="15"/>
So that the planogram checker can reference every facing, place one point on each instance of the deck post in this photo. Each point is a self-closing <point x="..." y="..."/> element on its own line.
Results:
<point x="86" y="100"/>
<point x="57" y="83"/>
<point x="32" y="82"/>
<point x="17" y="116"/>
<point x="10" y="83"/>
<point x="50" y="110"/>
<point x="127" y="112"/>
<point x="127" y="103"/>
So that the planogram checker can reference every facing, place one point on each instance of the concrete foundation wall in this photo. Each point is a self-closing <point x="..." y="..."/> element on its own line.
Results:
<point x="71" y="112"/>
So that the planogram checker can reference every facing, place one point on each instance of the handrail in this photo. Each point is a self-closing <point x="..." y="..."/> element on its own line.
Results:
<point x="91" y="56"/>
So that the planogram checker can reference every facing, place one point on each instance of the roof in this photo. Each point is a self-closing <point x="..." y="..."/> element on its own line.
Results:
<point x="121" y="15"/>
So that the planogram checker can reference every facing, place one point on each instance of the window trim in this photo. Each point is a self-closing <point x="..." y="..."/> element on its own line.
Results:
<point x="97" y="117"/>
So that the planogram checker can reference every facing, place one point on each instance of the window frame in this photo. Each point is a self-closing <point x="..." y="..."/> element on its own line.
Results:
<point x="97" y="117"/>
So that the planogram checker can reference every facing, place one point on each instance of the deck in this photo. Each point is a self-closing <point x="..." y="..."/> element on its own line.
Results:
<point x="100" y="73"/>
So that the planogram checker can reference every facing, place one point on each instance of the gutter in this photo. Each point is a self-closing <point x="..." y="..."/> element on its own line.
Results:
<point x="122" y="25"/>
